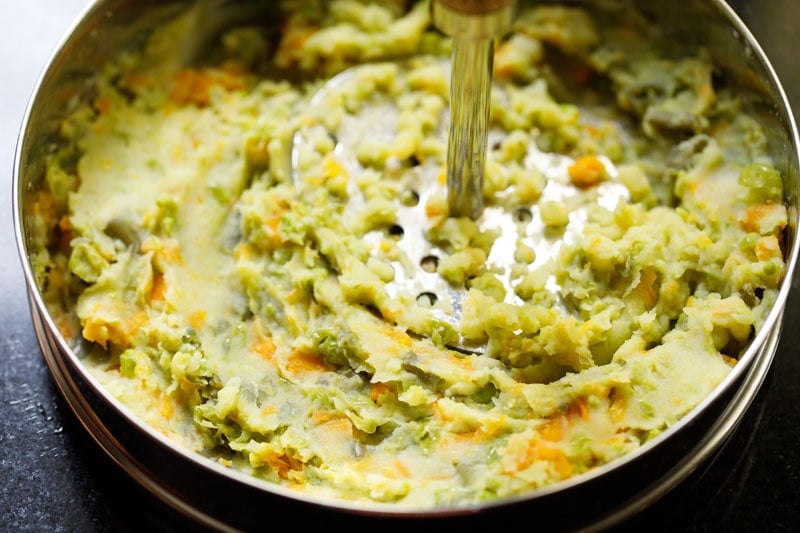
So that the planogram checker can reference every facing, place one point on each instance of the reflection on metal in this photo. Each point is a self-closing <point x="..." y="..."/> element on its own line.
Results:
<point x="474" y="26"/>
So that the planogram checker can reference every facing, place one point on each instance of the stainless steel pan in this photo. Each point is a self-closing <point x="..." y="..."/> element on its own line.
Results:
<point x="216" y="497"/>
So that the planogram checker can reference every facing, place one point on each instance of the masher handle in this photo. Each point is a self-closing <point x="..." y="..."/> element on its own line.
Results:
<point x="473" y="24"/>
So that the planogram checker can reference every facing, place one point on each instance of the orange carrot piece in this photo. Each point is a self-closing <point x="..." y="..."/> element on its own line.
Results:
<point x="191" y="86"/>
<point x="301" y="363"/>
<point x="159" y="290"/>
<point x="265" y="348"/>
<point x="587" y="171"/>
<point x="579" y="408"/>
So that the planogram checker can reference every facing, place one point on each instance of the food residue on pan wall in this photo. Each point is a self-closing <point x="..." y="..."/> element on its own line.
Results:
<point x="234" y="269"/>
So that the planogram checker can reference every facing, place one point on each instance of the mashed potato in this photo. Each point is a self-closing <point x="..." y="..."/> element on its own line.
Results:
<point x="231" y="241"/>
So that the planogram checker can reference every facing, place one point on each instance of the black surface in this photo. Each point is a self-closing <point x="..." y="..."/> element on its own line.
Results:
<point x="53" y="477"/>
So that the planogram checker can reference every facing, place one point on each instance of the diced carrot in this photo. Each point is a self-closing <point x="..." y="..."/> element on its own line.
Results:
<point x="556" y="457"/>
<point x="191" y="86"/>
<point x="102" y="332"/>
<point x="494" y="426"/>
<point x="400" y="337"/>
<point x="435" y="209"/>
<point x="323" y="417"/>
<point x="376" y="390"/>
<point x="645" y="290"/>
<point x="301" y="363"/>
<point x="265" y="348"/>
<point x="338" y="426"/>
<point x="159" y="290"/>
<point x="578" y="408"/>
<point x="755" y="214"/>
<point x="332" y="429"/>
<point x="768" y="248"/>
<point x="540" y="450"/>
<point x="273" y="224"/>
<point x="587" y="171"/>
<point x="553" y="429"/>
<point x="119" y="332"/>
<point x="282" y="464"/>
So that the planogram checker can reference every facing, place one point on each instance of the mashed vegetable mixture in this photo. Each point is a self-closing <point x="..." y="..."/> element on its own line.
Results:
<point x="229" y="248"/>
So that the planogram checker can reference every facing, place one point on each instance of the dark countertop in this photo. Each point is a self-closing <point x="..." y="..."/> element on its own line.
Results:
<point x="55" y="478"/>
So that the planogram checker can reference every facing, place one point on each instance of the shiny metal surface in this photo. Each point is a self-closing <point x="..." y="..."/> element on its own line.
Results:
<point x="416" y="278"/>
<point x="474" y="27"/>
<point x="469" y="127"/>
<point x="106" y="25"/>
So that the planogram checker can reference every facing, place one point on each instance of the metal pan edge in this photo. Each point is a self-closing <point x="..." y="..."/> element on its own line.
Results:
<point x="702" y="431"/>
